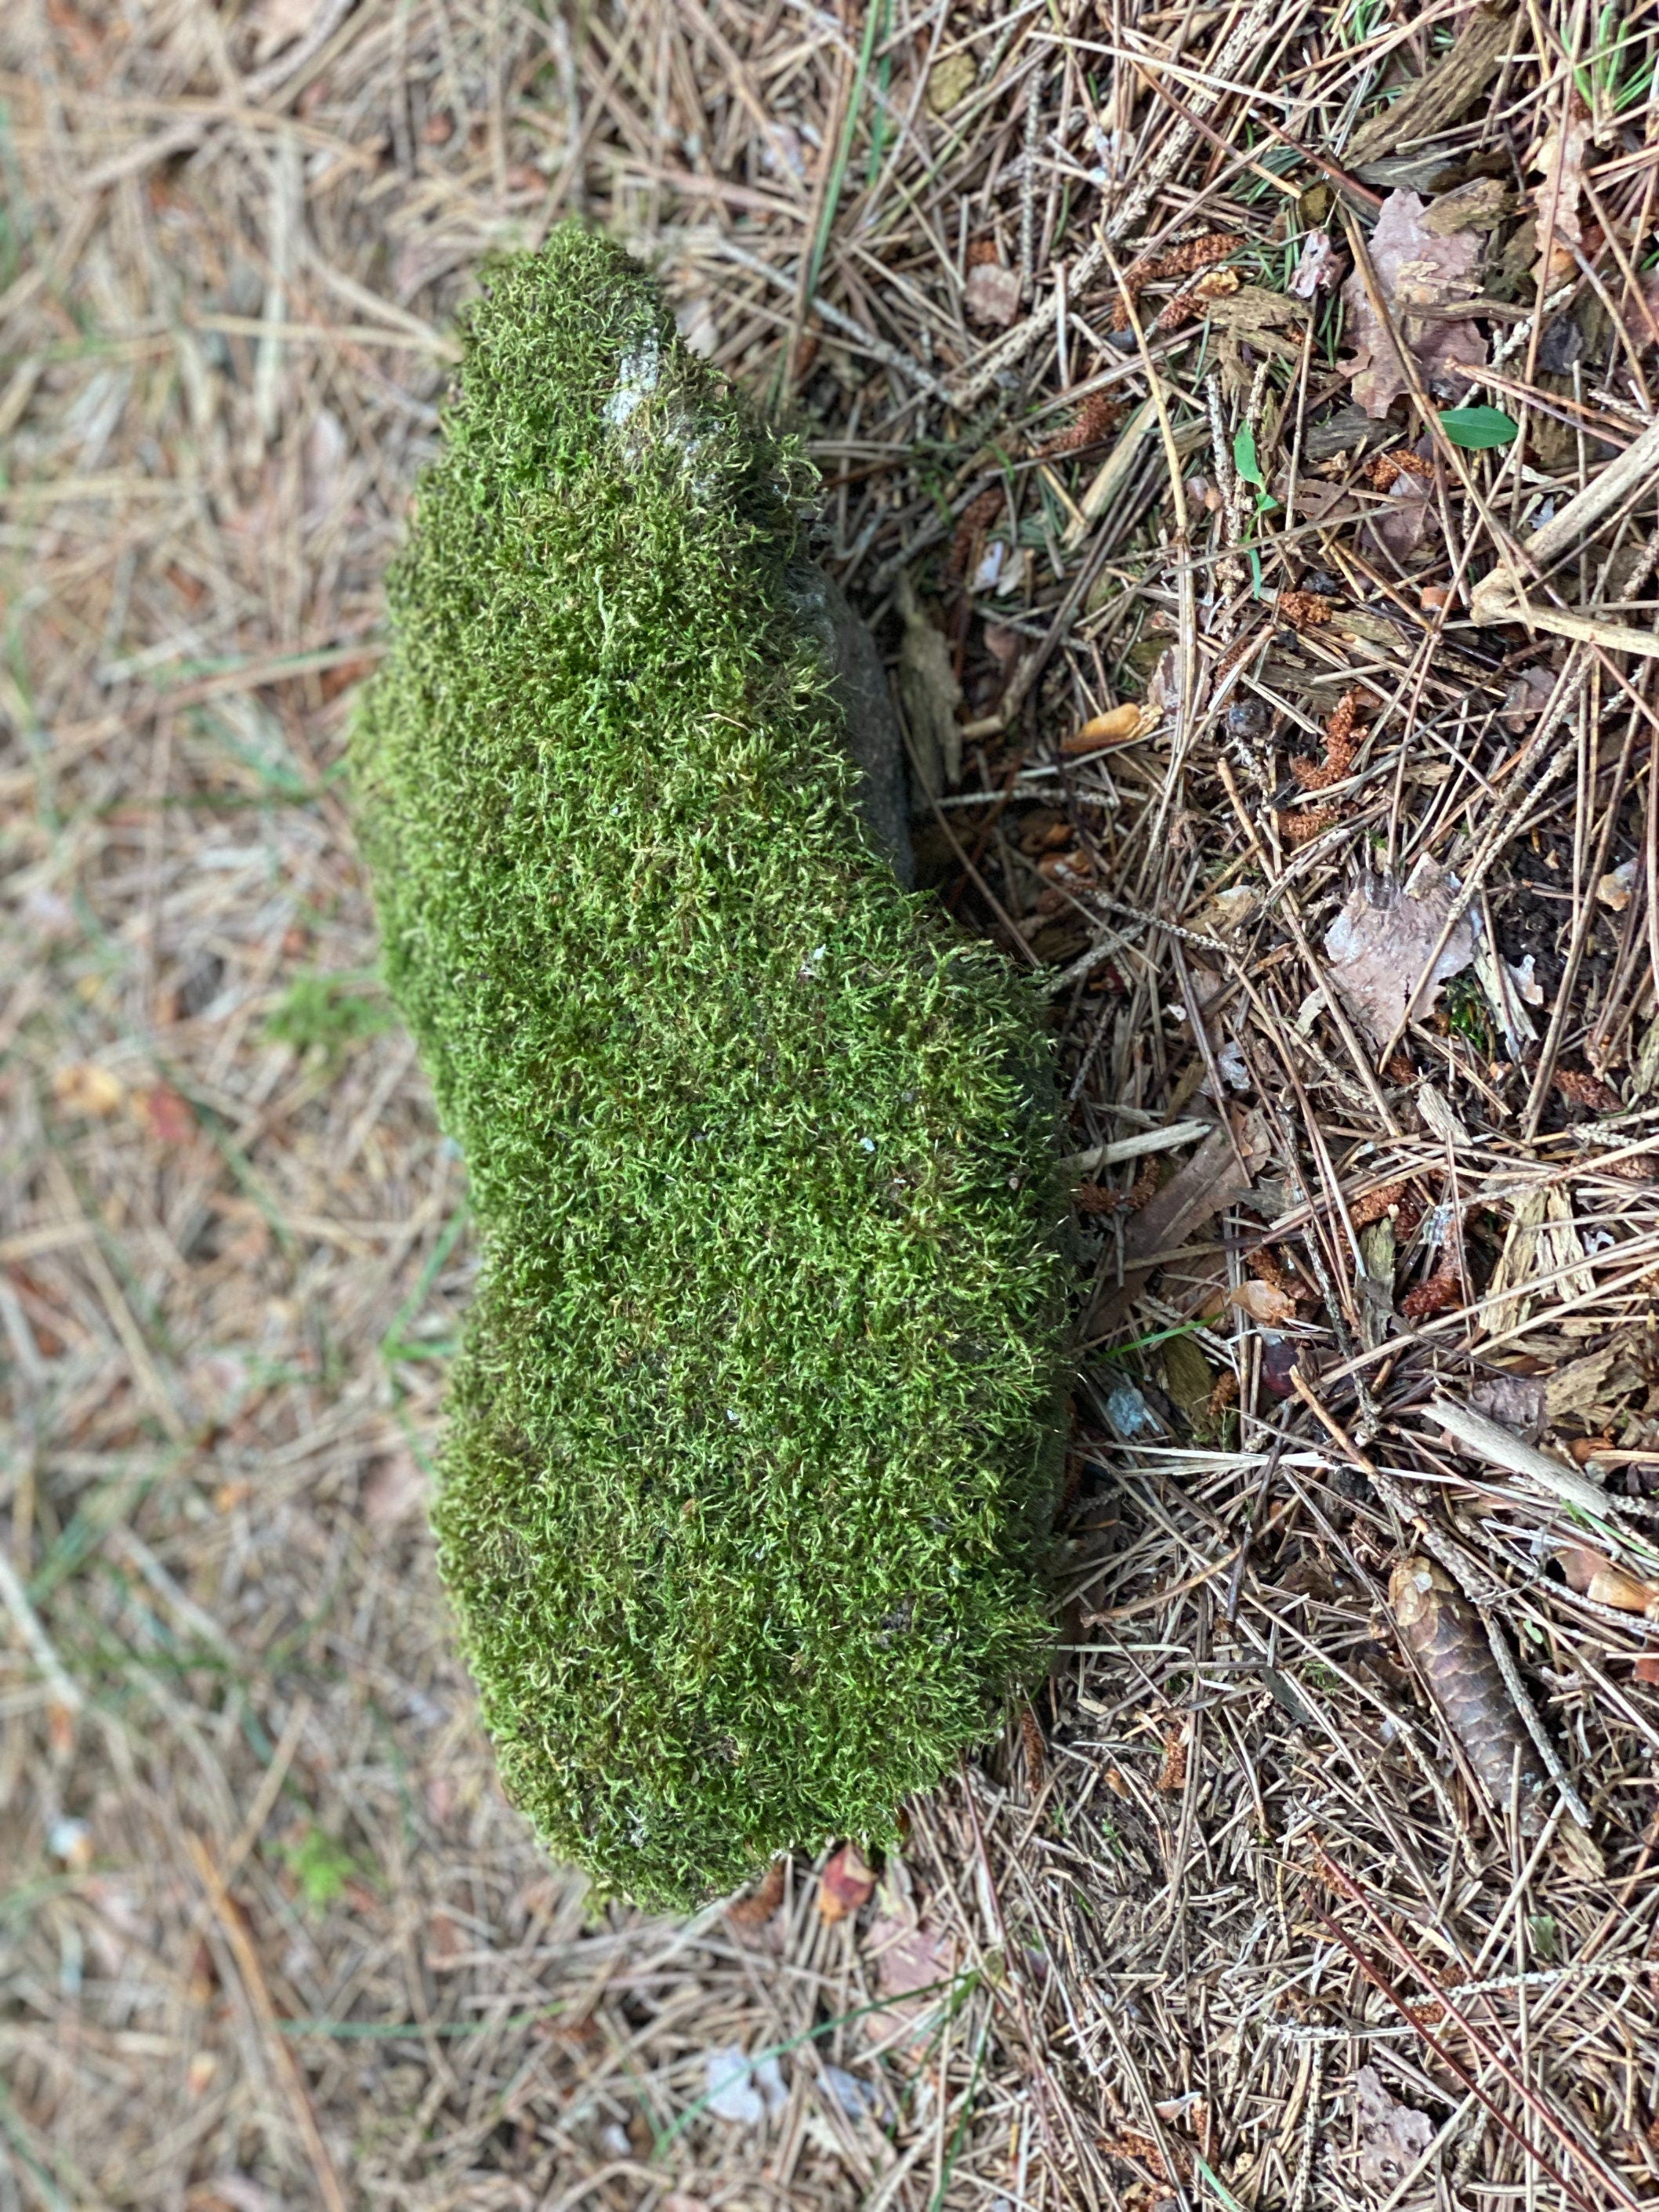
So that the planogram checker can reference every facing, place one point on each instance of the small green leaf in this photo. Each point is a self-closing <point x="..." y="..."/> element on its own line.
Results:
<point x="1476" y="428"/>
<point x="1244" y="459"/>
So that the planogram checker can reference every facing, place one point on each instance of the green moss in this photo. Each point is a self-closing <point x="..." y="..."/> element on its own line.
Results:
<point x="749" y="1447"/>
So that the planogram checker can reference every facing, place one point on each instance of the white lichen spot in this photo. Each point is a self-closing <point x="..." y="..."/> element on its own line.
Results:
<point x="637" y="379"/>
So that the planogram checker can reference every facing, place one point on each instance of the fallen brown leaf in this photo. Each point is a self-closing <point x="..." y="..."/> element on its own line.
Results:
<point x="1118" y="726"/>
<point x="1380" y="943"/>
<point x="1560" y="155"/>
<point x="1414" y="270"/>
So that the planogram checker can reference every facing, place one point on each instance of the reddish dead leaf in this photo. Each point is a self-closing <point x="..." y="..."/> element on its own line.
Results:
<point x="1414" y="270"/>
<point x="845" y="1885"/>
<point x="1646" y="1669"/>
<point x="167" y="1117"/>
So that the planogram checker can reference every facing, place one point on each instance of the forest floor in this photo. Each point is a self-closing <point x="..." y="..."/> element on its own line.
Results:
<point x="1184" y="384"/>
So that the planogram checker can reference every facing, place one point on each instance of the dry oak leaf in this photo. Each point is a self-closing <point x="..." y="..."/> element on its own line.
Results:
<point x="1414" y="270"/>
<point x="1382" y="940"/>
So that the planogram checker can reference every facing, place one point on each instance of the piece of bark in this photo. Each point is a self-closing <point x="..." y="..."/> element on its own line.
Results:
<point x="1442" y="94"/>
<point x="873" y="736"/>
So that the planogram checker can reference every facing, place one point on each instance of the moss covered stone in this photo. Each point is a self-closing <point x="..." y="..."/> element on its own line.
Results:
<point x="748" y="1456"/>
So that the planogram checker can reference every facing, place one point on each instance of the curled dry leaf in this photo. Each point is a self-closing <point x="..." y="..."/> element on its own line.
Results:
<point x="1382" y="940"/>
<point x="1444" y="1633"/>
<point x="1560" y="155"/>
<point x="1415" y="270"/>
<point x="1119" y="726"/>
<point x="847" y="1882"/>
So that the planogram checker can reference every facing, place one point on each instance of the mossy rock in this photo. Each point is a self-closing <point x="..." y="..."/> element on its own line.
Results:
<point x="750" y="1447"/>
